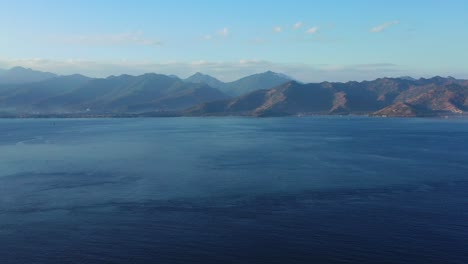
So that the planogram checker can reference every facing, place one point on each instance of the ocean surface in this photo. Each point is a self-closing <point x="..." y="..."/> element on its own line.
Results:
<point x="234" y="190"/>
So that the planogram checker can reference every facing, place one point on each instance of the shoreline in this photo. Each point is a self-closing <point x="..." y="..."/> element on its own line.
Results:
<point x="173" y="114"/>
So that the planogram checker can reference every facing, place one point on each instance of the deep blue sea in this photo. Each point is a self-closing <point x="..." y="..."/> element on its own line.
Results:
<point x="234" y="190"/>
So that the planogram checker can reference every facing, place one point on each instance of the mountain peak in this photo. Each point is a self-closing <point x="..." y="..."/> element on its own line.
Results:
<point x="408" y="78"/>
<point x="199" y="77"/>
<point x="77" y="76"/>
<point x="278" y="74"/>
<point x="269" y="72"/>
<point x="199" y="74"/>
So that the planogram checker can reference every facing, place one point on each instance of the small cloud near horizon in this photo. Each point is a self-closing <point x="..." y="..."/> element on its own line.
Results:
<point x="124" y="38"/>
<point x="383" y="26"/>
<point x="312" y="30"/>
<point x="223" y="32"/>
<point x="277" y="29"/>
<point x="297" y="25"/>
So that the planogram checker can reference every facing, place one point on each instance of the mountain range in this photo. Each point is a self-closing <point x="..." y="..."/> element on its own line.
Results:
<point x="115" y="94"/>
<point x="28" y="92"/>
<point x="382" y="97"/>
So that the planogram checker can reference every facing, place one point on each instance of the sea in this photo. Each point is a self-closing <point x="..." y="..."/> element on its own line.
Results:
<point x="320" y="189"/>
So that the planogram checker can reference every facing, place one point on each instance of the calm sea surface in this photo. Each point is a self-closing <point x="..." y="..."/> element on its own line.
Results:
<point x="234" y="190"/>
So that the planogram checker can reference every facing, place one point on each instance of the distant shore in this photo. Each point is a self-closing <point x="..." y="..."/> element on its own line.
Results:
<point x="178" y="114"/>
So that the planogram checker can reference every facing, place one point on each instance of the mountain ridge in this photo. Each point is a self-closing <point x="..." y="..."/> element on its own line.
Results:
<point x="19" y="75"/>
<point x="381" y="97"/>
<point x="242" y="85"/>
<point x="152" y="93"/>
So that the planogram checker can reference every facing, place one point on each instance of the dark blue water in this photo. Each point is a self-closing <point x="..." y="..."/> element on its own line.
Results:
<point x="234" y="190"/>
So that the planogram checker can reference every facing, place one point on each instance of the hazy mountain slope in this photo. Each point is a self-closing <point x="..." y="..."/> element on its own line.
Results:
<point x="24" y="97"/>
<point x="133" y="93"/>
<point x="191" y="96"/>
<point x="254" y="82"/>
<point x="18" y="75"/>
<point x="243" y="85"/>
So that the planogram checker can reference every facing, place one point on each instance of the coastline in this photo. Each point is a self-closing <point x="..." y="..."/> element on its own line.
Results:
<point x="179" y="114"/>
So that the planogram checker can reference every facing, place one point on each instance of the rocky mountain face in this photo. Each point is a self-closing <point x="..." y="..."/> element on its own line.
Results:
<point x="385" y="97"/>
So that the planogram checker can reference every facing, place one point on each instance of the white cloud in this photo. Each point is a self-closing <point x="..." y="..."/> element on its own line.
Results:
<point x="199" y="62"/>
<point x="207" y="37"/>
<point x="224" y="32"/>
<point x="278" y="29"/>
<point x="297" y="25"/>
<point x="125" y="38"/>
<point x="247" y="61"/>
<point x="382" y="27"/>
<point x="312" y="30"/>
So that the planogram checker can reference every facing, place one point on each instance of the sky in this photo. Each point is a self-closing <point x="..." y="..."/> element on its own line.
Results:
<point x="308" y="40"/>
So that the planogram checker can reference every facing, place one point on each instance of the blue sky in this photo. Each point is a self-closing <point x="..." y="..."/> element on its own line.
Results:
<point x="309" y="40"/>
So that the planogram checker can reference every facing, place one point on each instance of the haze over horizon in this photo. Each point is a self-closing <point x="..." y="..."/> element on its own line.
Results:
<point x="309" y="41"/>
